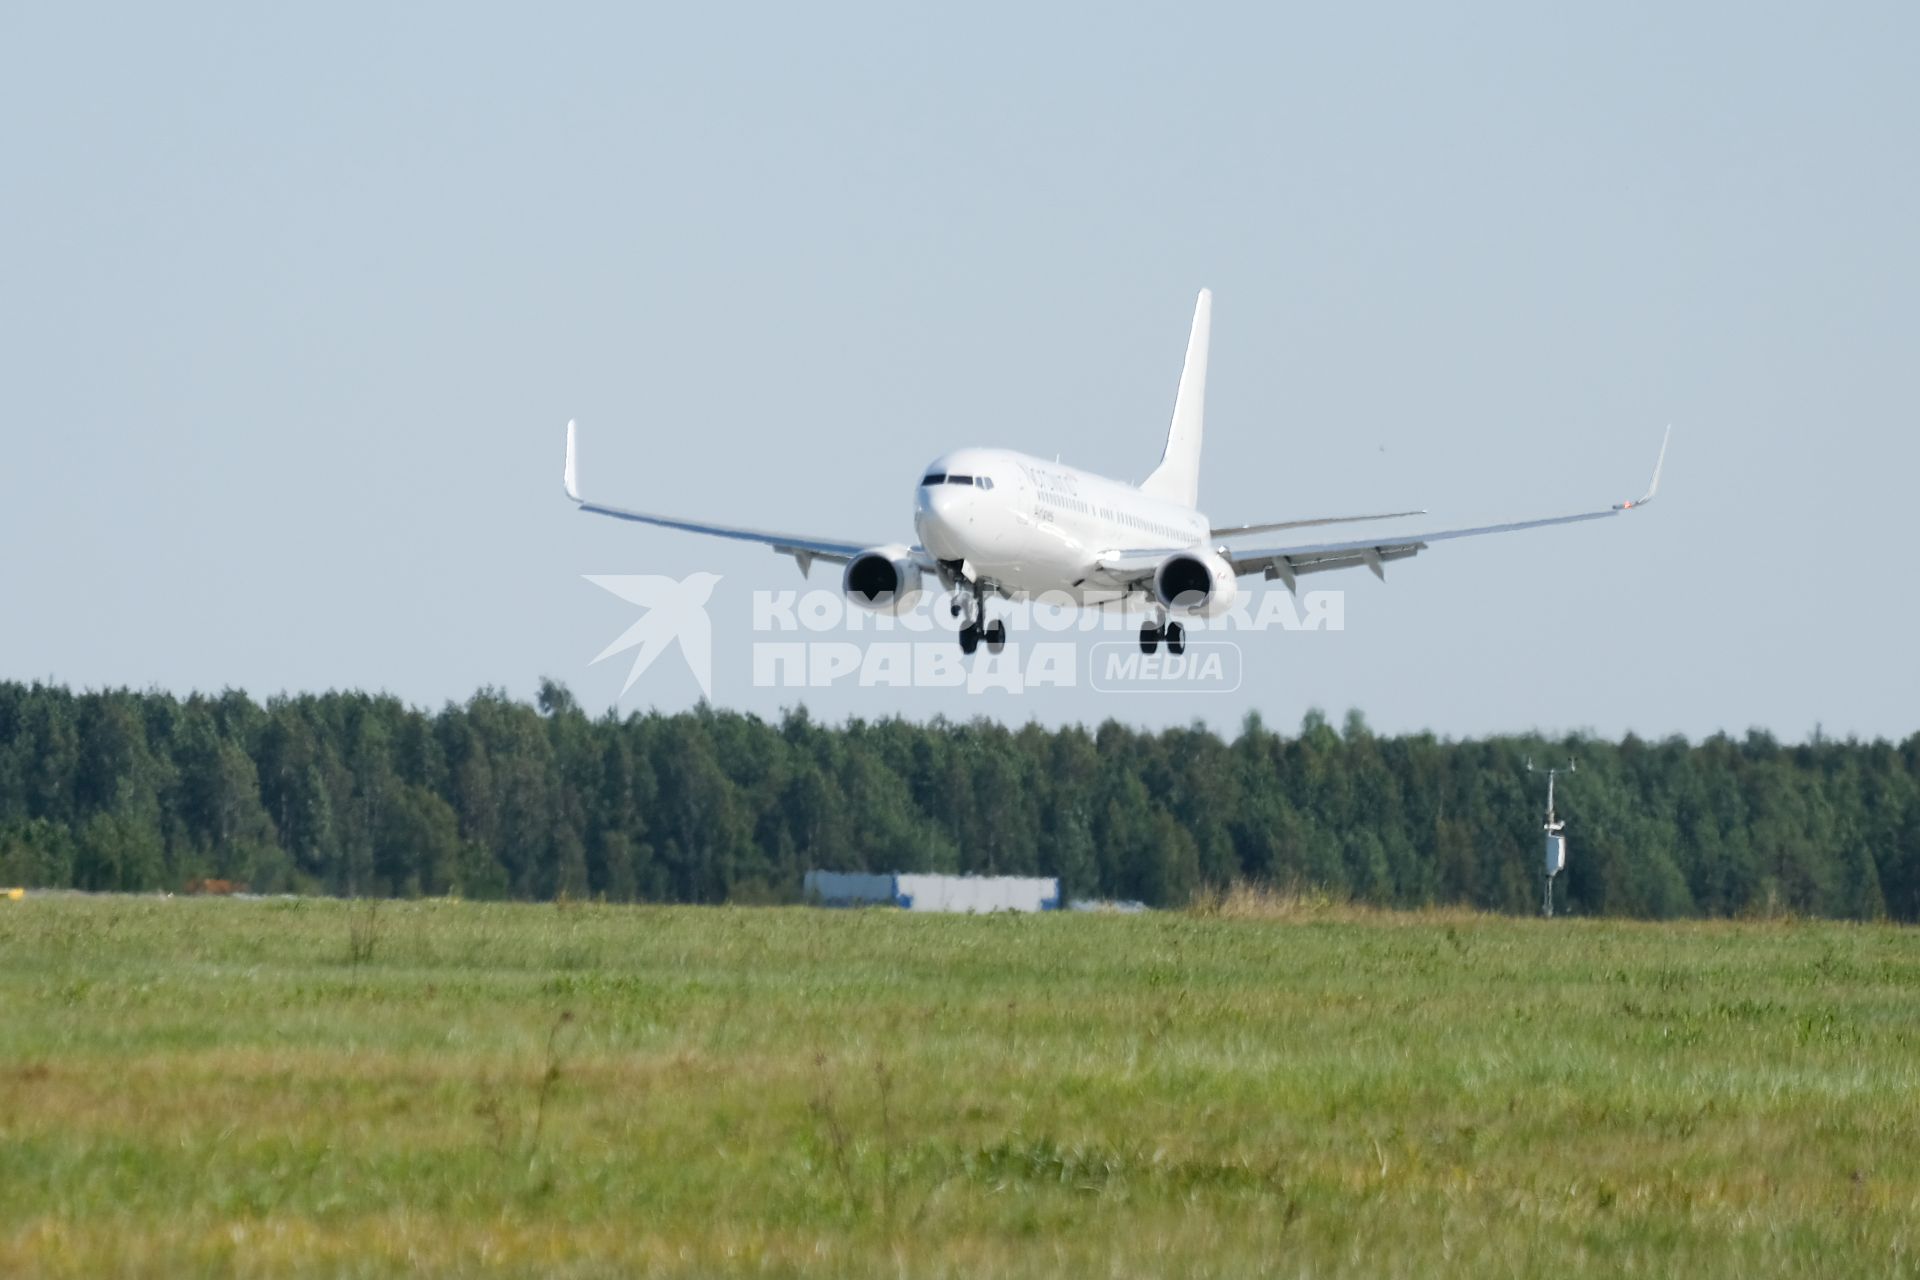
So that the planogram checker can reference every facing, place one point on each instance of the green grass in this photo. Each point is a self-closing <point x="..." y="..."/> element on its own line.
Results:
<point x="269" y="1088"/>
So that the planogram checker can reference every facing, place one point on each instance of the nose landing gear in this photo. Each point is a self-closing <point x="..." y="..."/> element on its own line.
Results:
<point x="970" y="602"/>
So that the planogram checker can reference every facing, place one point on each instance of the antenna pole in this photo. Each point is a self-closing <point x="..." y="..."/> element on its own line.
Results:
<point x="1556" y="860"/>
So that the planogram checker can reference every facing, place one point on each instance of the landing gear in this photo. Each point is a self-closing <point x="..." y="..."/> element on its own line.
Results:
<point x="1152" y="633"/>
<point x="969" y="604"/>
<point x="965" y="606"/>
<point x="993" y="633"/>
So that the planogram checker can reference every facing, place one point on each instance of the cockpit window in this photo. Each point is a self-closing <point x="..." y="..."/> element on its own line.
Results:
<point x="937" y="477"/>
<point x="985" y="482"/>
<point x="959" y="479"/>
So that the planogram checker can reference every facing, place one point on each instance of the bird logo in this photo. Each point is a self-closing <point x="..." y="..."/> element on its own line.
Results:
<point x="675" y="611"/>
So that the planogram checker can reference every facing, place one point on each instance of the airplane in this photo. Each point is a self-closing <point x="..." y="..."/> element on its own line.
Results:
<point x="997" y="524"/>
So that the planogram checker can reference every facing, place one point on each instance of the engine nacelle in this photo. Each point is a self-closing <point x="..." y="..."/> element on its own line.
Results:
<point x="882" y="580"/>
<point x="1195" y="583"/>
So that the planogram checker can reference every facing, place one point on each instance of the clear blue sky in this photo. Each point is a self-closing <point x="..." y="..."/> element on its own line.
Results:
<point x="295" y="304"/>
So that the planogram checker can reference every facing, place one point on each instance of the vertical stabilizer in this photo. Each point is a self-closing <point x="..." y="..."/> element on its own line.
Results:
<point x="1177" y="478"/>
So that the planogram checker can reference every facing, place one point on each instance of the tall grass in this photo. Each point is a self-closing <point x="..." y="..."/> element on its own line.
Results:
<point x="1272" y="1084"/>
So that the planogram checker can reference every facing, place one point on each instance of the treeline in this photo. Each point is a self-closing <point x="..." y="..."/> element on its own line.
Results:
<point x="352" y="794"/>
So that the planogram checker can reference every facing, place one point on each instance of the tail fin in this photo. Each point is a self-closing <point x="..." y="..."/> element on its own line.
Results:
<point x="1177" y="478"/>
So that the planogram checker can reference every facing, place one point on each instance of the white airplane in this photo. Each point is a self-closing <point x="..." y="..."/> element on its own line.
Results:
<point x="996" y="523"/>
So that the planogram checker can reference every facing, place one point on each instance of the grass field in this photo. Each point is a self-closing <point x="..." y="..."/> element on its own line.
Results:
<point x="267" y="1088"/>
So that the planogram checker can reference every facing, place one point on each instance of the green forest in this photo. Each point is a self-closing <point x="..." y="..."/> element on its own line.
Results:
<point x="361" y="795"/>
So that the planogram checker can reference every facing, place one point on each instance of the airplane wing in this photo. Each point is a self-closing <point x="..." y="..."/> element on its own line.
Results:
<point x="1237" y="530"/>
<point x="1288" y="562"/>
<point x="804" y="548"/>
<point x="1124" y="568"/>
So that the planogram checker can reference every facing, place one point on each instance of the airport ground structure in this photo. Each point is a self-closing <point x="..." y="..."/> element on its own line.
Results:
<point x="931" y="891"/>
<point x="356" y="795"/>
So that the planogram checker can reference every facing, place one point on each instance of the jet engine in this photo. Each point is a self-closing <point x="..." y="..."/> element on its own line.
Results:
<point x="1195" y="583"/>
<point x="882" y="580"/>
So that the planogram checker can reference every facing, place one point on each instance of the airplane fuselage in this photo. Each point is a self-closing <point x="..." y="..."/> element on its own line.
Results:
<point x="1040" y="527"/>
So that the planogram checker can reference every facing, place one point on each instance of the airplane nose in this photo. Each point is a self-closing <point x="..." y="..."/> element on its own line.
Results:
<point x="942" y="517"/>
<point x="947" y="503"/>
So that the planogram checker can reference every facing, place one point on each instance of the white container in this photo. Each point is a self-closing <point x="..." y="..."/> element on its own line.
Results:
<point x="977" y="894"/>
<point x="848" y="889"/>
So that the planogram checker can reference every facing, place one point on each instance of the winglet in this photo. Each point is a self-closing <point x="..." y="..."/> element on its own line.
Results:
<point x="1653" y="486"/>
<point x="573" y="466"/>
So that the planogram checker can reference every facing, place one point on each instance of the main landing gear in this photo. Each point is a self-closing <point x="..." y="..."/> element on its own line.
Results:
<point x="1153" y="632"/>
<point x="994" y="633"/>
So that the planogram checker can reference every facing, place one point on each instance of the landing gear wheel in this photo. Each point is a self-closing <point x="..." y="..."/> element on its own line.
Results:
<point x="1176" y="639"/>
<point x="996" y="637"/>
<point x="969" y="639"/>
<point x="1149" y="637"/>
<point x="954" y="607"/>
